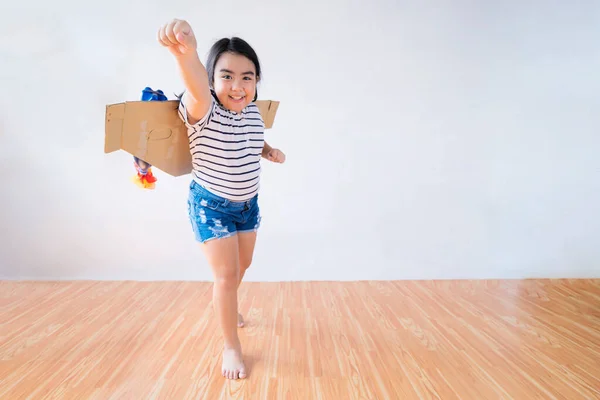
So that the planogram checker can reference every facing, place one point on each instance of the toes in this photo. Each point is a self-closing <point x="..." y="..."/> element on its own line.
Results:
<point x="241" y="374"/>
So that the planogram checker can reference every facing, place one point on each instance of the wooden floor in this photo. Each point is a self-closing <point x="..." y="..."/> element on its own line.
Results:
<point x="361" y="340"/>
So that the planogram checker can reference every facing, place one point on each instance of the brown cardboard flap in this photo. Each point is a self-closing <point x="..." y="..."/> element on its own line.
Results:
<point x="113" y="127"/>
<point x="268" y="109"/>
<point x="153" y="132"/>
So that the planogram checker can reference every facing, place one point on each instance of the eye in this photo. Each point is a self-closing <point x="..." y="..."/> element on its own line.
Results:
<point x="226" y="77"/>
<point x="247" y="78"/>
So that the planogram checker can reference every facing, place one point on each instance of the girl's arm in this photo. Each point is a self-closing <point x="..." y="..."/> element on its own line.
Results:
<point x="271" y="154"/>
<point x="197" y="97"/>
<point x="179" y="38"/>
<point x="266" y="149"/>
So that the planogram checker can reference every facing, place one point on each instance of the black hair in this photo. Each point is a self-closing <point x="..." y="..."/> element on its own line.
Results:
<point x="233" y="45"/>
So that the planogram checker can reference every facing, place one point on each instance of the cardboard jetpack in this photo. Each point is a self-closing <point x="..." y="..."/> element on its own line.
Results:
<point x="154" y="132"/>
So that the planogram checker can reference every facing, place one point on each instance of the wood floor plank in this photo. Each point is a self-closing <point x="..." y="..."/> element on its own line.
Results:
<point x="303" y="340"/>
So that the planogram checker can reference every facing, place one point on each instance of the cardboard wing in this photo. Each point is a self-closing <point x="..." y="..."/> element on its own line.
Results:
<point x="153" y="132"/>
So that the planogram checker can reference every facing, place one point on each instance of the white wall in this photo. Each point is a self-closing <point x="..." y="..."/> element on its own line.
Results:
<point x="448" y="140"/>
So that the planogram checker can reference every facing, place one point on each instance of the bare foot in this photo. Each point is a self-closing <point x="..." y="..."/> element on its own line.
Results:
<point x="240" y="320"/>
<point x="233" y="366"/>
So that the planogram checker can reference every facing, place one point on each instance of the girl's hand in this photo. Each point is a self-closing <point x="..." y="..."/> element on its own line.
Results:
<point x="178" y="37"/>
<point x="276" y="155"/>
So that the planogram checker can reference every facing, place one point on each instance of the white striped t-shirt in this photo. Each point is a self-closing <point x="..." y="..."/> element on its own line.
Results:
<point x="226" y="150"/>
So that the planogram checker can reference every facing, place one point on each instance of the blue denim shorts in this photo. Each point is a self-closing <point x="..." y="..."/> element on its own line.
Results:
<point x="214" y="217"/>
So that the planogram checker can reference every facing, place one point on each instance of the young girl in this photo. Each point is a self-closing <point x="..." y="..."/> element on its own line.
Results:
<point x="225" y="131"/>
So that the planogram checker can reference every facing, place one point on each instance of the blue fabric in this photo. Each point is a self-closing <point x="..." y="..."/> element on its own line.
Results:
<point x="214" y="217"/>
<point x="153" y="95"/>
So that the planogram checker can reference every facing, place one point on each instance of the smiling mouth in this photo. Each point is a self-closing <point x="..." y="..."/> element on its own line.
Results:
<point x="237" y="98"/>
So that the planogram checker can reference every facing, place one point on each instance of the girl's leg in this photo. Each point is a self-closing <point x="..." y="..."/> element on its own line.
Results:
<point x="223" y="257"/>
<point x="247" y="241"/>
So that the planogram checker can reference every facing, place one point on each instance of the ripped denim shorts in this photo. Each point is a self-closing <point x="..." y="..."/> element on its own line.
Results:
<point x="214" y="217"/>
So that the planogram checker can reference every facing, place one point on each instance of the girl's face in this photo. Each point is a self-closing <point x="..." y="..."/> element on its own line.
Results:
<point x="235" y="81"/>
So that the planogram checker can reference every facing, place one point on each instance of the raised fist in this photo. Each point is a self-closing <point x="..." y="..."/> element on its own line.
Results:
<point x="178" y="37"/>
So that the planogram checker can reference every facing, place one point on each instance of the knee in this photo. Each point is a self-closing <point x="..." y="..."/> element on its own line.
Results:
<point x="245" y="263"/>
<point x="227" y="280"/>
